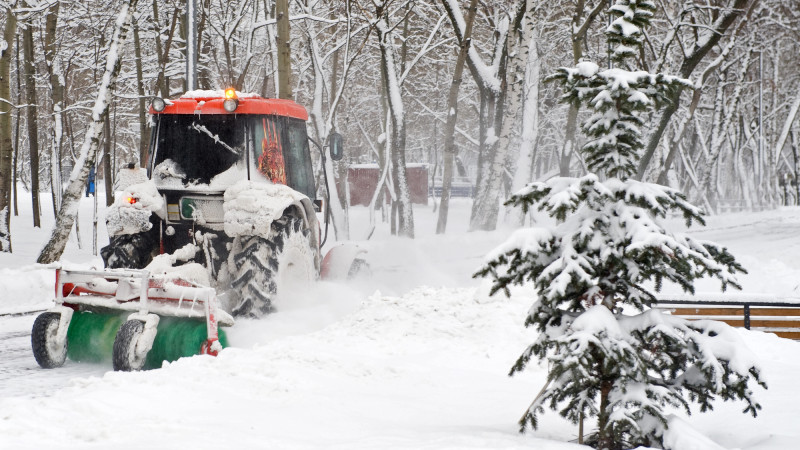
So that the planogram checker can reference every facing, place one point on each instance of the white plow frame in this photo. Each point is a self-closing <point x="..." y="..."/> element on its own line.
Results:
<point x="147" y="297"/>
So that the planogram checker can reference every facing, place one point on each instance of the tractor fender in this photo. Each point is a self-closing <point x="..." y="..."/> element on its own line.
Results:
<point x="339" y="260"/>
<point x="130" y="213"/>
<point x="251" y="207"/>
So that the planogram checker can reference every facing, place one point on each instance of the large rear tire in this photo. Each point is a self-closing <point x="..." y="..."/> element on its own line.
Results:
<point x="266" y="269"/>
<point x="125" y="357"/>
<point x="49" y="353"/>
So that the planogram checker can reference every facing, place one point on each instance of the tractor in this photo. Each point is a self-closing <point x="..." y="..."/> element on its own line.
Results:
<point x="221" y="223"/>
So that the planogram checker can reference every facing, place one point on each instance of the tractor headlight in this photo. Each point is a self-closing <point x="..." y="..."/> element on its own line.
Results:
<point x="230" y="104"/>
<point x="158" y="104"/>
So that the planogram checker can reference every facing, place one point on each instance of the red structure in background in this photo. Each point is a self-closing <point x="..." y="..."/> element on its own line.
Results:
<point x="363" y="178"/>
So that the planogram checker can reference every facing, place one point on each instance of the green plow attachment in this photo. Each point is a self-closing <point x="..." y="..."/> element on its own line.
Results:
<point x="91" y="338"/>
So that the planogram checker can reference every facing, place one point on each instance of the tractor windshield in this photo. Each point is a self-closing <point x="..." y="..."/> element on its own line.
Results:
<point x="193" y="149"/>
<point x="281" y="153"/>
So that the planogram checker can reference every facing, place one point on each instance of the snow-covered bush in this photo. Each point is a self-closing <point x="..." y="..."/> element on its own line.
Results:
<point x="594" y="268"/>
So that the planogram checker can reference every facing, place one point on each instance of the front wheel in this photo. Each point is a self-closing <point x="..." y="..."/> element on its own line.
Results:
<point x="268" y="269"/>
<point x="47" y="349"/>
<point x="125" y="356"/>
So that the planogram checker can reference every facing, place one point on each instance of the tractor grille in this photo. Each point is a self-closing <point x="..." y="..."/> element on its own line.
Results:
<point x="202" y="209"/>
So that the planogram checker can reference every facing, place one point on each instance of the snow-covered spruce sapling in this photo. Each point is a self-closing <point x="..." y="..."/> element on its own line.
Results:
<point x="596" y="266"/>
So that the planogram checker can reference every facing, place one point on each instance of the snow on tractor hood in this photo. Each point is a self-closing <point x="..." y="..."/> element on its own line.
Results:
<point x="251" y="207"/>
<point x="132" y="208"/>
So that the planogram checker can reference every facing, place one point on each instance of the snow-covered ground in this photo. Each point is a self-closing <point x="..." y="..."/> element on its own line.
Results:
<point x="415" y="357"/>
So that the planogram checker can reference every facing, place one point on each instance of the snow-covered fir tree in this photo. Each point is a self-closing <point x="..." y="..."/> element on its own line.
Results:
<point x="610" y="355"/>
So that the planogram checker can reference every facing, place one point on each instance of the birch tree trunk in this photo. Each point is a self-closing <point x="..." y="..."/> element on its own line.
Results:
<point x="530" y="131"/>
<point x="69" y="207"/>
<point x="519" y="35"/>
<point x="787" y="125"/>
<point x="6" y="147"/>
<point x="405" y="215"/>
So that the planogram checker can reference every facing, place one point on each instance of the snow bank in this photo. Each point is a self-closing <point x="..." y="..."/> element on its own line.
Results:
<point x="682" y="436"/>
<point x="28" y="288"/>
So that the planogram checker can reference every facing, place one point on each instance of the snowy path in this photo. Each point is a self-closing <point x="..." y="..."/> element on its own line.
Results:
<point x="19" y="373"/>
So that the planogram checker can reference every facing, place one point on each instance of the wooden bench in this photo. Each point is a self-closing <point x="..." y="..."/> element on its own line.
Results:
<point x="780" y="318"/>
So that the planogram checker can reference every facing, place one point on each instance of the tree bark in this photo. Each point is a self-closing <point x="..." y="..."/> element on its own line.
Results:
<point x="162" y="52"/>
<point x="405" y="215"/>
<point x="31" y="115"/>
<point x="519" y="36"/>
<point x="523" y="173"/>
<point x="580" y="28"/>
<point x="284" y="50"/>
<point x="322" y="128"/>
<point x="488" y="81"/>
<point x="6" y="147"/>
<point x="57" y="97"/>
<point x="107" y="175"/>
<point x="69" y="207"/>
<point x="512" y="73"/>
<point x="452" y="116"/>
<point x="144" y="131"/>
<point x="16" y="128"/>
<point x="604" y="438"/>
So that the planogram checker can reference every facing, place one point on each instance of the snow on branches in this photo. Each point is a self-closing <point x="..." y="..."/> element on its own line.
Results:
<point x="617" y="98"/>
<point x="596" y="271"/>
<point x="609" y="242"/>
<point x="605" y="258"/>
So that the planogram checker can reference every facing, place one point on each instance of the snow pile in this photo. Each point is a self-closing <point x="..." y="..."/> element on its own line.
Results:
<point x="169" y="174"/>
<point x="132" y="208"/>
<point x="209" y="93"/>
<point x="24" y="289"/>
<point x="682" y="436"/>
<point x="229" y="177"/>
<point x="251" y="207"/>
<point x="165" y="265"/>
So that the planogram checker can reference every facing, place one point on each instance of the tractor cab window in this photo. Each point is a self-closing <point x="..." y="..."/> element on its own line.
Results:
<point x="193" y="149"/>
<point x="281" y="153"/>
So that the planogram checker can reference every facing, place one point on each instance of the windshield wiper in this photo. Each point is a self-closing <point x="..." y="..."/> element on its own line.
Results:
<point x="202" y="129"/>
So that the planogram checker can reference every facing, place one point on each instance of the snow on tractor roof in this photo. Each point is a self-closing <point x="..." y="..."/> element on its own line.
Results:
<point x="210" y="102"/>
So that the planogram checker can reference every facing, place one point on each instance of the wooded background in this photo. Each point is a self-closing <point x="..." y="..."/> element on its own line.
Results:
<point x="381" y="73"/>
